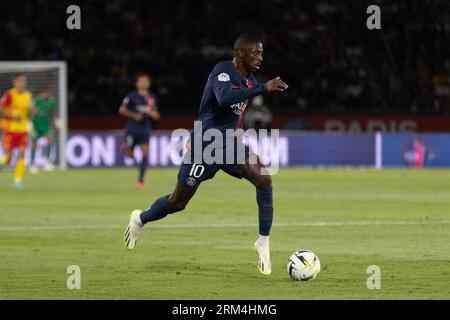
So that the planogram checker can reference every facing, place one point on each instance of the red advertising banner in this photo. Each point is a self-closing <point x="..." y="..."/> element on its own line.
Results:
<point x="349" y="124"/>
<point x="366" y="124"/>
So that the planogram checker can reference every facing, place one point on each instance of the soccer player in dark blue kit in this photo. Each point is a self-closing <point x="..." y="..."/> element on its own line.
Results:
<point x="140" y="108"/>
<point x="228" y="88"/>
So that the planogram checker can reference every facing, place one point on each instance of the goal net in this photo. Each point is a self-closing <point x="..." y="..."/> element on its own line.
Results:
<point x="42" y="75"/>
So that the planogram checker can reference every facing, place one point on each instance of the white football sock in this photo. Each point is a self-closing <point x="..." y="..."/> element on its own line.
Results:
<point x="263" y="241"/>
<point x="138" y="221"/>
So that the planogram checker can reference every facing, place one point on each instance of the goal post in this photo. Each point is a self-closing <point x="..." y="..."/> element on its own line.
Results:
<point x="41" y="75"/>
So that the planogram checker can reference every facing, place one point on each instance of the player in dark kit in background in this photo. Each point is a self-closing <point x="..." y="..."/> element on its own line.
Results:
<point x="141" y="109"/>
<point x="225" y="97"/>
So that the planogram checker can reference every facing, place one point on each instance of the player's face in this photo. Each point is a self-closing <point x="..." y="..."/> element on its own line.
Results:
<point x="46" y="94"/>
<point x="253" y="57"/>
<point x="20" y="83"/>
<point x="143" y="83"/>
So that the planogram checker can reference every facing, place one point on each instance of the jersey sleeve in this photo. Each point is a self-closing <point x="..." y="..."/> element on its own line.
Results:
<point x="6" y="100"/>
<point x="221" y="84"/>
<point x="126" y="101"/>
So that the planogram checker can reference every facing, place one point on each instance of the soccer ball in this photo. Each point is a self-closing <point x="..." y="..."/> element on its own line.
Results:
<point x="303" y="265"/>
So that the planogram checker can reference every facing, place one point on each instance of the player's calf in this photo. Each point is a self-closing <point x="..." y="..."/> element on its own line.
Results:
<point x="168" y="204"/>
<point x="264" y="199"/>
<point x="158" y="210"/>
<point x="258" y="176"/>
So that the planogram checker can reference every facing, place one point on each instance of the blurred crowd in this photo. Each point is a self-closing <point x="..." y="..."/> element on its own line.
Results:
<point x="321" y="48"/>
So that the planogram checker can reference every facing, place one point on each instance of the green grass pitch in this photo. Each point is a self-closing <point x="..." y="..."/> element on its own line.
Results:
<point x="398" y="220"/>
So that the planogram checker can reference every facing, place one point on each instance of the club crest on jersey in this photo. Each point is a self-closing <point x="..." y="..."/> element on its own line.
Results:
<point x="142" y="108"/>
<point x="238" y="107"/>
<point x="191" y="181"/>
<point x="224" y="77"/>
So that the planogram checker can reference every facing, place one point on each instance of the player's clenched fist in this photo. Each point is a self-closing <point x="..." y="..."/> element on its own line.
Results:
<point x="276" y="85"/>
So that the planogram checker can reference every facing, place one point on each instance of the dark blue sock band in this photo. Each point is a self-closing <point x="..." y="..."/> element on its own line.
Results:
<point x="158" y="210"/>
<point x="264" y="199"/>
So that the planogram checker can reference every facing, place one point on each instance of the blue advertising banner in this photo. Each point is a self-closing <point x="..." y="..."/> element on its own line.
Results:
<point x="325" y="149"/>
<point x="416" y="150"/>
<point x="88" y="149"/>
<point x="102" y="150"/>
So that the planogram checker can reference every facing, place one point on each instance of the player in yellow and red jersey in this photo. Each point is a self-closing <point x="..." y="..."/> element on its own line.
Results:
<point x="15" y="109"/>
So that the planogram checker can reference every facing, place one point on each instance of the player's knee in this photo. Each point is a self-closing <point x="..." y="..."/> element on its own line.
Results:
<point x="178" y="204"/>
<point x="263" y="182"/>
<point x="144" y="150"/>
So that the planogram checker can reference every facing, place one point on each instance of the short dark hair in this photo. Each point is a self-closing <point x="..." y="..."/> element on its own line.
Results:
<point x="141" y="74"/>
<point x="245" y="41"/>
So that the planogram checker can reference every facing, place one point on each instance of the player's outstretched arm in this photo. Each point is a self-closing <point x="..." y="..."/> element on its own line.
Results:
<point x="227" y="96"/>
<point x="276" y="85"/>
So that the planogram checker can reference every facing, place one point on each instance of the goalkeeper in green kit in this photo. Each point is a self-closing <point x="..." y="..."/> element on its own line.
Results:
<point x="43" y="123"/>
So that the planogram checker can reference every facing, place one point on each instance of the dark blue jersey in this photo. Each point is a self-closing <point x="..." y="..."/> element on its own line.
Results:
<point x="142" y="104"/>
<point x="225" y="97"/>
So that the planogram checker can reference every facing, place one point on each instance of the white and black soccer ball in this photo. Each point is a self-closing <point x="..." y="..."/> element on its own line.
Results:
<point x="303" y="265"/>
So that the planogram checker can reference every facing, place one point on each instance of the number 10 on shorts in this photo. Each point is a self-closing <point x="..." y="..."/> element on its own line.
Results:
<point x="197" y="170"/>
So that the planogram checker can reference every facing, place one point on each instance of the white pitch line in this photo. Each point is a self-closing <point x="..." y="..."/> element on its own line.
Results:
<point x="232" y="225"/>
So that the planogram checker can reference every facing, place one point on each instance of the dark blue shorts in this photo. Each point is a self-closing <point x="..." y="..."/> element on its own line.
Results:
<point x="194" y="172"/>
<point x="136" y="138"/>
